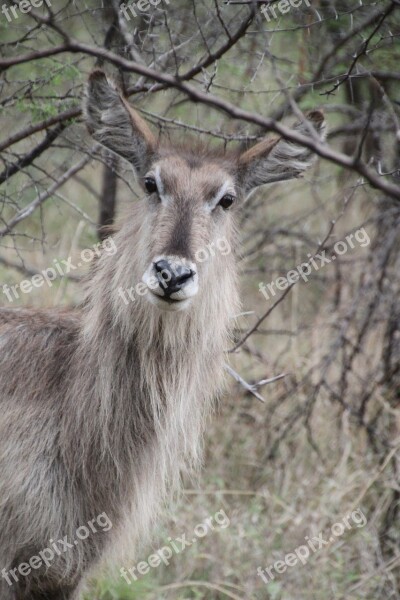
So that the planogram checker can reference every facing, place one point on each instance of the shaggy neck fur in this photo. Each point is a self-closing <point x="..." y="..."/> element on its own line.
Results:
<point x="149" y="379"/>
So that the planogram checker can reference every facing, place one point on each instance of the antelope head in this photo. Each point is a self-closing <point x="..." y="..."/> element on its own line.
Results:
<point x="190" y="195"/>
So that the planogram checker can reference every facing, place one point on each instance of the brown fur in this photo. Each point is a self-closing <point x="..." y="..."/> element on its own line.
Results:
<point x="103" y="408"/>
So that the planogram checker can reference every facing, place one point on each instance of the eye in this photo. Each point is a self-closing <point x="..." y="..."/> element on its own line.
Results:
<point x="226" y="201"/>
<point x="150" y="185"/>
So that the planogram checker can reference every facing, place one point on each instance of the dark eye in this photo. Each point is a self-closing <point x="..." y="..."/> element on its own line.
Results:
<point x="227" y="201"/>
<point x="150" y="185"/>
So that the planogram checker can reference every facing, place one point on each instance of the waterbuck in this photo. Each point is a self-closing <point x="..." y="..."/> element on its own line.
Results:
<point x="102" y="409"/>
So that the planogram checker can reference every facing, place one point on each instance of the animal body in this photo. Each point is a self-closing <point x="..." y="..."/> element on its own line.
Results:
<point x="103" y="408"/>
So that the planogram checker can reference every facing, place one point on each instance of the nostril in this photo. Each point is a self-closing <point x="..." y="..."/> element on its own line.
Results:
<point x="162" y="265"/>
<point x="183" y="274"/>
<point x="172" y="276"/>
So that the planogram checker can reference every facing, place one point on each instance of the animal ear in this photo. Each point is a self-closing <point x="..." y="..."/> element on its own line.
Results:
<point x="277" y="159"/>
<point x="115" y="124"/>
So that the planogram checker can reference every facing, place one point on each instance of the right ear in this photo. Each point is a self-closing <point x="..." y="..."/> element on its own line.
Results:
<point x="277" y="159"/>
<point x="115" y="124"/>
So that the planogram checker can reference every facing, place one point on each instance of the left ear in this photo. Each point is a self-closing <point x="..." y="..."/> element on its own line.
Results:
<point x="115" y="124"/>
<point x="277" y="159"/>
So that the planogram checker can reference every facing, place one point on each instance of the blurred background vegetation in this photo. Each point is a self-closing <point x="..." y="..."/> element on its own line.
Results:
<point x="326" y="439"/>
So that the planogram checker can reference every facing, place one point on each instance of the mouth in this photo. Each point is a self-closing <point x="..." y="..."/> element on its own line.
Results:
<point x="169" y="304"/>
<point x="171" y="300"/>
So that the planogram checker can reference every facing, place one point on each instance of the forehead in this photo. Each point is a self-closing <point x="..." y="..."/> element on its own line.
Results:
<point x="201" y="175"/>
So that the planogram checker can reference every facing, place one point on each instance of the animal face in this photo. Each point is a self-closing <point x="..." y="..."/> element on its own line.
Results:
<point x="190" y="202"/>
<point x="190" y="195"/>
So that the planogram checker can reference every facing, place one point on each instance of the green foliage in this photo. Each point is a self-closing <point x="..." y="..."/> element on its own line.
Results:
<point x="106" y="589"/>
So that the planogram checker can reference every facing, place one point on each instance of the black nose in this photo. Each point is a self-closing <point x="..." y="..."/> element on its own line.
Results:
<point x="172" y="278"/>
